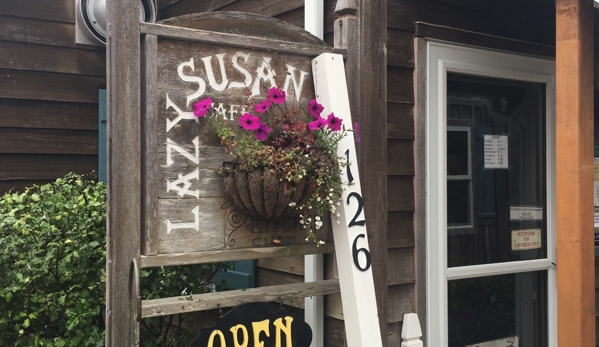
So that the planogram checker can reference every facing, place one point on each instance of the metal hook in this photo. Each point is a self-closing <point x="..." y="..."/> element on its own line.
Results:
<point x="220" y="310"/>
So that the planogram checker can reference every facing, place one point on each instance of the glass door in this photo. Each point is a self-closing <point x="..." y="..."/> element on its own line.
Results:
<point x="490" y="220"/>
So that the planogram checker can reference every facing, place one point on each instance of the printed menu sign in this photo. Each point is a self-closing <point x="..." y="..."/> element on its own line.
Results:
<point x="496" y="152"/>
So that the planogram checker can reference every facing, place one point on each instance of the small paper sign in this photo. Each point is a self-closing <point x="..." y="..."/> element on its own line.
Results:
<point x="496" y="152"/>
<point x="506" y="342"/>
<point x="526" y="213"/>
<point x="526" y="239"/>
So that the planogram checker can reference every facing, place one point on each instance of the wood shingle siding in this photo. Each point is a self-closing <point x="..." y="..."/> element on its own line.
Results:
<point x="48" y="94"/>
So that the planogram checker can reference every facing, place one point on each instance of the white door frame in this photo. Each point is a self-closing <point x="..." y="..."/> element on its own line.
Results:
<point x="441" y="59"/>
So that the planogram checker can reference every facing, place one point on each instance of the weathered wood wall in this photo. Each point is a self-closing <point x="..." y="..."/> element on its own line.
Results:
<point x="48" y="94"/>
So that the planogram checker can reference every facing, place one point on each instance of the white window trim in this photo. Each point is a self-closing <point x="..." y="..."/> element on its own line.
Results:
<point x="441" y="59"/>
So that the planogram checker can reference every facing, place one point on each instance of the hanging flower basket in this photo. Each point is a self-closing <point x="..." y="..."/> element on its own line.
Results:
<point x="285" y="159"/>
<point x="260" y="194"/>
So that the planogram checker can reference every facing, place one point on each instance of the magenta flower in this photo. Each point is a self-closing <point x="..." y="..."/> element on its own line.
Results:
<point x="201" y="107"/>
<point x="249" y="122"/>
<point x="334" y="123"/>
<point x="317" y="124"/>
<point x="315" y="108"/>
<point x="357" y="132"/>
<point x="276" y="95"/>
<point x="262" y="107"/>
<point x="262" y="132"/>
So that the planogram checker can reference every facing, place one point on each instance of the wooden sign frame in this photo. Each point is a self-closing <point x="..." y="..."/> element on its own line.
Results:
<point x="131" y="198"/>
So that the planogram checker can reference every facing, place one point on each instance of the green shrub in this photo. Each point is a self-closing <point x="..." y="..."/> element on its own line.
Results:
<point x="52" y="266"/>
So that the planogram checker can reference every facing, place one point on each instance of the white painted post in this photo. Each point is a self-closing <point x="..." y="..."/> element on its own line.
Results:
<point x="314" y="263"/>
<point x="411" y="331"/>
<point x="349" y="231"/>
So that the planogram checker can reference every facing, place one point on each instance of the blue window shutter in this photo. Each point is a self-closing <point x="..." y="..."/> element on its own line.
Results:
<point x="102" y="135"/>
<point x="242" y="276"/>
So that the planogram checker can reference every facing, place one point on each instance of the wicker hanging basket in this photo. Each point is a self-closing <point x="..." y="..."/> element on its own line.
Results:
<point x="260" y="194"/>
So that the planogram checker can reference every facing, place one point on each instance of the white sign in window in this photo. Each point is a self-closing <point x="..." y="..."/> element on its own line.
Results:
<point x="526" y="213"/>
<point x="496" y="153"/>
<point x="526" y="239"/>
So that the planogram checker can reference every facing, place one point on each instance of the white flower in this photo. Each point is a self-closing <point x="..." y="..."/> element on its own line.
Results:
<point x="300" y="177"/>
<point x="292" y="203"/>
<point x="301" y="221"/>
<point x="317" y="217"/>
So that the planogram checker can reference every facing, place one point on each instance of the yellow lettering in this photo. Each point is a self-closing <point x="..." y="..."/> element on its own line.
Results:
<point x="259" y="327"/>
<point x="222" y="338"/>
<point x="236" y="337"/>
<point x="285" y="328"/>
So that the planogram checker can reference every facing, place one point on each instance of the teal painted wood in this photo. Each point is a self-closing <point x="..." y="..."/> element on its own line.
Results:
<point x="242" y="276"/>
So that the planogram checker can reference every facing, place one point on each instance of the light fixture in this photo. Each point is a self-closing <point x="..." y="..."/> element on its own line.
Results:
<point x="91" y="19"/>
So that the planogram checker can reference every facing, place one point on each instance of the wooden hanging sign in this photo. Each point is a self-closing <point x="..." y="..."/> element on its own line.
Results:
<point x="185" y="205"/>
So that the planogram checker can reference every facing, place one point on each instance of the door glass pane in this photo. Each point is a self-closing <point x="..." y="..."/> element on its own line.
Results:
<point x="498" y="308"/>
<point x="458" y="153"/>
<point x="458" y="202"/>
<point x="496" y="186"/>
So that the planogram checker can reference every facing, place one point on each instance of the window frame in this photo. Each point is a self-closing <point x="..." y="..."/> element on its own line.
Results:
<point x="441" y="58"/>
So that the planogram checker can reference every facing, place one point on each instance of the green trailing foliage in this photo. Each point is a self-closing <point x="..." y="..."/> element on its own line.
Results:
<point x="52" y="261"/>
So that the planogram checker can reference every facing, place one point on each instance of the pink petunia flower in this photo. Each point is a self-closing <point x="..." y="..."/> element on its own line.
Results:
<point x="315" y="108"/>
<point x="262" y="107"/>
<point x="262" y="132"/>
<point x="276" y="95"/>
<point x="317" y="124"/>
<point x="334" y="123"/>
<point x="200" y="108"/>
<point x="357" y="132"/>
<point x="249" y="122"/>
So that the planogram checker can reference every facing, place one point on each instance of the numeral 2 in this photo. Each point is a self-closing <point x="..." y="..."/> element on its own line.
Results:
<point x="360" y="205"/>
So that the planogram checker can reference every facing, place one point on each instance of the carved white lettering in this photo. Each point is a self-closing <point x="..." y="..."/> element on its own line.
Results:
<point x="172" y="145"/>
<point x="180" y="114"/>
<point x="220" y="110"/>
<point x="182" y="184"/>
<point x="297" y="86"/>
<point x="196" y="79"/>
<point x="247" y="81"/>
<point x="185" y="225"/>
<point x="263" y="73"/>
<point x="210" y="73"/>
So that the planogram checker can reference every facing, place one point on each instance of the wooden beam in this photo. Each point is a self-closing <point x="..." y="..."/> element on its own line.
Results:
<point x="123" y="195"/>
<point x="202" y="302"/>
<point x="574" y="175"/>
<point x="361" y="28"/>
